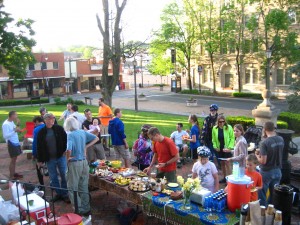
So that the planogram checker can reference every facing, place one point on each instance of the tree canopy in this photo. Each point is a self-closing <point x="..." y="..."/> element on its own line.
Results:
<point x="16" y="44"/>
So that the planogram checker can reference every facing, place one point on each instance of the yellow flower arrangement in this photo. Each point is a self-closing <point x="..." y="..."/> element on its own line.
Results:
<point x="188" y="187"/>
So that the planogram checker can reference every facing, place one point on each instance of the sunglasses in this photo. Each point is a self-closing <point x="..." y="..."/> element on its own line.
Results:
<point x="87" y="110"/>
<point x="212" y="110"/>
<point x="221" y="121"/>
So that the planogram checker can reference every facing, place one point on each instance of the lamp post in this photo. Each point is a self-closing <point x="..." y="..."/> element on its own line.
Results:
<point x="268" y="55"/>
<point x="142" y="71"/>
<point x="45" y="83"/>
<point x="135" y="92"/>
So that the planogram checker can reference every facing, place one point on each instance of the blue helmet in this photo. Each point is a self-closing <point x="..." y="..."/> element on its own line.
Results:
<point x="203" y="151"/>
<point x="214" y="107"/>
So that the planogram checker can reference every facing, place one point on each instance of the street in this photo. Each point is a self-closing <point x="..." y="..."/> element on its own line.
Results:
<point x="154" y="93"/>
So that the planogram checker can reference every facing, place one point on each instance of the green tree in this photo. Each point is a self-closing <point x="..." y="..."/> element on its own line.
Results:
<point x="271" y="26"/>
<point x="293" y="100"/>
<point x="15" y="44"/>
<point x="233" y="33"/>
<point x="207" y="17"/>
<point x="112" y="50"/>
<point x="178" y="32"/>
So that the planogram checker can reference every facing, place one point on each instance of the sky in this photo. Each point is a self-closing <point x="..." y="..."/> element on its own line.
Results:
<point x="62" y="23"/>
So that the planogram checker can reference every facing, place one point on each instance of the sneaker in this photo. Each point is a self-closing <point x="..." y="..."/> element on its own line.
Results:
<point x="56" y="198"/>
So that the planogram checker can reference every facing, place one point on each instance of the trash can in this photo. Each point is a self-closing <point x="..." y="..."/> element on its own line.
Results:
<point x="283" y="201"/>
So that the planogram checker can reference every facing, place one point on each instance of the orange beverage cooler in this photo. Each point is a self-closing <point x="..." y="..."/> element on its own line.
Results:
<point x="239" y="191"/>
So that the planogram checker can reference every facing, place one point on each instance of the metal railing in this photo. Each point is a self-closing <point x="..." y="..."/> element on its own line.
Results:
<point x="31" y="186"/>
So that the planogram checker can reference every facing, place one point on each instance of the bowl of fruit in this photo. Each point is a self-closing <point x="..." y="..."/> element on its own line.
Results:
<point x="116" y="163"/>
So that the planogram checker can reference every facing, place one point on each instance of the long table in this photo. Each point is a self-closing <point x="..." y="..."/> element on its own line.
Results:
<point x="160" y="206"/>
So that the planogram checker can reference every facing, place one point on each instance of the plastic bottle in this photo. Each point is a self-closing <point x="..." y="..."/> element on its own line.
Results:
<point x="243" y="215"/>
<point x="235" y="170"/>
<point x="278" y="218"/>
<point x="263" y="214"/>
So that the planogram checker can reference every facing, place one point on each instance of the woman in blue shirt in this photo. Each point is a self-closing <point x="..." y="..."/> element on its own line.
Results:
<point x="194" y="136"/>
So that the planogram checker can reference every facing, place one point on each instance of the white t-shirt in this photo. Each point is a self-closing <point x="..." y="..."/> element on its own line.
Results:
<point x="177" y="136"/>
<point x="81" y="118"/>
<point x="8" y="131"/>
<point x="205" y="173"/>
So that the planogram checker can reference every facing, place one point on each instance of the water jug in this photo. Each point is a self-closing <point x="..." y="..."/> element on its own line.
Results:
<point x="236" y="170"/>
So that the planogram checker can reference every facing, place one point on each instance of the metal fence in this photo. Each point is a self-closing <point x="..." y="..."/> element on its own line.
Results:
<point x="30" y="188"/>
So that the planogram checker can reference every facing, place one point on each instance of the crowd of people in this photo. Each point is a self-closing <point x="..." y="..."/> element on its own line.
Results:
<point x="67" y="150"/>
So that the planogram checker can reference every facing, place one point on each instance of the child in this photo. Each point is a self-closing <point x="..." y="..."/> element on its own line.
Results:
<point x="94" y="126"/>
<point x="206" y="170"/>
<point x="240" y="150"/>
<point x="251" y="163"/>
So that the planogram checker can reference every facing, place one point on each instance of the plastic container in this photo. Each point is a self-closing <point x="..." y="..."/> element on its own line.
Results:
<point x="70" y="219"/>
<point x="239" y="191"/>
<point x="236" y="170"/>
<point x="37" y="210"/>
<point x="283" y="201"/>
<point x="116" y="164"/>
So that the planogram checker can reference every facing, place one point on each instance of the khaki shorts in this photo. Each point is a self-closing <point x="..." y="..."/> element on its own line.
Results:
<point x="120" y="151"/>
<point x="95" y="152"/>
<point x="104" y="129"/>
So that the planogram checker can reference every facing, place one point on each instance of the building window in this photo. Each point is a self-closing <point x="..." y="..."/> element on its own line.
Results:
<point x="31" y="67"/>
<point x="247" y="76"/>
<point x="255" y="76"/>
<point x="232" y="46"/>
<point x="287" y="78"/>
<point x="251" y="76"/>
<point x="224" y="48"/>
<point x="20" y="87"/>
<point x="44" y="66"/>
<point x="280" y="76"/>
<point x="204" y="76"/>
<point x="292" y="16"/>
<point x="55" y="65"/>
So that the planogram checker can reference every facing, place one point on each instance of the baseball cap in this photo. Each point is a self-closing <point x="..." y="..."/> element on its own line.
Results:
<point x="49" y="116"/>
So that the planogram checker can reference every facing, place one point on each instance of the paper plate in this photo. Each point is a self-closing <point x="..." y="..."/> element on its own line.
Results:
<point x="173" y="185"/>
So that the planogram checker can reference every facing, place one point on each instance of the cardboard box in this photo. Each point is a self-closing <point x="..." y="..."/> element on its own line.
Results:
<point x="36" y="211"/>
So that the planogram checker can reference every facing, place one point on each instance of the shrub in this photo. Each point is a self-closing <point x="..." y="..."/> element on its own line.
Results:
<point x="292" y="119"/>
<point x="293" y="102"/>
<point x="248" y="121"/>
<point x="58" y="101"/>
<point x="187" y="91"/>
<point x="159" y="85"/>
<point x="247" y="95"/>
<point x="14" y="102"/>
<point x="243" y="120"/>
<point x="282" y="124"/>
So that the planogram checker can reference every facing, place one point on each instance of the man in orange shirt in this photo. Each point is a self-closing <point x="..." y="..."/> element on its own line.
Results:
<point x="166" y="153"/>
<point x="105" y="115"/>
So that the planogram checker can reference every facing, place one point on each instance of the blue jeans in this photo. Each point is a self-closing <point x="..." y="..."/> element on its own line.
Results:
<point x="59" y="164"/>
<point x="269" y="178"/>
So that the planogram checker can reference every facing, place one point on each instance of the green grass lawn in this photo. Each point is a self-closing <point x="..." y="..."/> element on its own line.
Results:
<point x="133" y="121"/>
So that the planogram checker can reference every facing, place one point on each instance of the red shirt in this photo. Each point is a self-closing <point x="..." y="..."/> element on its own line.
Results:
<point x="257" y="182"/>
<point x="165" y="151"/>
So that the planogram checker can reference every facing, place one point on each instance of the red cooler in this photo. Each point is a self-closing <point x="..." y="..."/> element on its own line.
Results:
<point x="37" y="210"/>
<point x="239" y="191"/>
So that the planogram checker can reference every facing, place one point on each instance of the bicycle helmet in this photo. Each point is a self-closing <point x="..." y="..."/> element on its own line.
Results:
<point x="214" y="107"/>
<point x="203" y="151"/>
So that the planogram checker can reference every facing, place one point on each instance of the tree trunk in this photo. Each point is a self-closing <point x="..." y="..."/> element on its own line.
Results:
<point x="189" y="73"/>
<point x="211" y="56"/>
<point x="110" y="53"/>
<point x="238" y="64"/>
